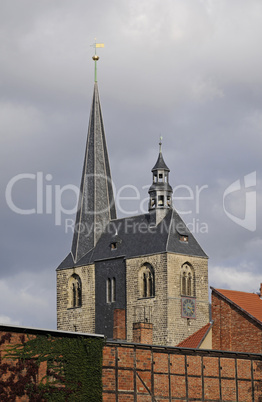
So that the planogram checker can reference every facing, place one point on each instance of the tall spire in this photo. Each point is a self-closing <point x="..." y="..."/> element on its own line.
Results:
<point x="96" y="206"/>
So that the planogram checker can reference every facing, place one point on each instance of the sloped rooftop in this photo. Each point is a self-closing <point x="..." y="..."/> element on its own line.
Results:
<point x="249" y="303"/>
<point x="137" y="236"/>
<point x="194" y="341"/>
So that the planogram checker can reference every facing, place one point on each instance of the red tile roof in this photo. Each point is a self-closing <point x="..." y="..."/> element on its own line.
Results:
<point x="195" y="340"/>
<point x="249" y="303"/>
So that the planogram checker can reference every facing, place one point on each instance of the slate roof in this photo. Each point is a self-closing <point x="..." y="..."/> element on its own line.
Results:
<point x="96" y="192"/>
<point x="139" y="236"/>
<point x="160" y="163"/>
<point x="249" y="303"/>
<point x="195" y="340"/>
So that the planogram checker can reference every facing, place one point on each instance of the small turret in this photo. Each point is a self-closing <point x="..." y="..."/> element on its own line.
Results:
<point x="160" y="191"/>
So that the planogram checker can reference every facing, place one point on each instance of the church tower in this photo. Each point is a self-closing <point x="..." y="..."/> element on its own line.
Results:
<point x="145" y="270"/>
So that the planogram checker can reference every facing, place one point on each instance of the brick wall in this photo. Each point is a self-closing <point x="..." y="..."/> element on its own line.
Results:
<point x="143" y="333"/>
<point x="119" y="329"/>
<point x="234" y="330"/>
<point x="22" y="379"/>
<point x="141" y="373"/>
<point x="146" y="373"/>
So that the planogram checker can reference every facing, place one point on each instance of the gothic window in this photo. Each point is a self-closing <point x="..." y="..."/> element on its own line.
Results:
<point x="187" y="280"/>
<point x="111" y="290"/>
<point x="146" y="281"/>
<point x="74" y="291"/>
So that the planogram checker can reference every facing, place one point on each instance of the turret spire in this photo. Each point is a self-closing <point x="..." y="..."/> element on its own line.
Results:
<point x="96" y="205"/>
<point x="160" y="191"/>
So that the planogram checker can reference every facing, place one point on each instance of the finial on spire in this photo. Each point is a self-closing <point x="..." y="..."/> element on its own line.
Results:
<point x="160" y="144"/>
<point x="95" y="57"/>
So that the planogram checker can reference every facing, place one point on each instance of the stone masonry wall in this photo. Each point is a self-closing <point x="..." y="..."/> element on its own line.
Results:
<point x="152" y="309"/>
<point x="180" y="328"/>
<point x="234" y="330"/>
<point x="164" y="310"/>
<point x="80" y="319"/>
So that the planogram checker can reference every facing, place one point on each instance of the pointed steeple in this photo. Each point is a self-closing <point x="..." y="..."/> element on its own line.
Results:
<point x="96" y="206"/>
<point x="160" y="191"/>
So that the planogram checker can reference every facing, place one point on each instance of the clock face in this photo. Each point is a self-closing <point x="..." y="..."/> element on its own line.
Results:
<point x="188" y="307"/>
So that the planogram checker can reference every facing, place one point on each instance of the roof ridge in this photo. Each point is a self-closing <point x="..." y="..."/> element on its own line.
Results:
<point x="239" y="305"/>
<point x="236" y="291"/>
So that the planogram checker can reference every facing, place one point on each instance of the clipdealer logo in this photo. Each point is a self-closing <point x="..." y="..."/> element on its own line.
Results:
<point x="250" y="218"/>
<point x="49" y="200"/>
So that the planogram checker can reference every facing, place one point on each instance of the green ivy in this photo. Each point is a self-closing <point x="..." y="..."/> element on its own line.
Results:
<point x="74" y="368"/>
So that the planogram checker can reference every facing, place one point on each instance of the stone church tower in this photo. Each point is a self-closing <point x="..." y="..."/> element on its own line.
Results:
<point x="146" y="270"/>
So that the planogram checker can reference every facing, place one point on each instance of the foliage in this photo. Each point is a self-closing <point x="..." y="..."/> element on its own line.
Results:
<point x="71" y="367"/>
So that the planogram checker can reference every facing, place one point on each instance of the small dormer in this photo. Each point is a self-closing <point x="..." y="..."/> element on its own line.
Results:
<point x="115" y="242"/>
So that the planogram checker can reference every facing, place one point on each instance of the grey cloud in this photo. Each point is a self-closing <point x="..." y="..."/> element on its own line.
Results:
<point x="188" y="71"/>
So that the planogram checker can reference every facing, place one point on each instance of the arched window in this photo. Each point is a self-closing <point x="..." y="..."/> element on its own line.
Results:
<point x="146" y="281"/>
<point x="74" y="291"/>
<point x="187" y="280"/>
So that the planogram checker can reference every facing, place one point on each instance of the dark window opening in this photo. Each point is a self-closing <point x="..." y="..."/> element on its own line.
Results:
<point x="184" y="284"/>
<point x="79" y="295"/>
<point x="74" y="295"/>
<point x="146" y="279"/>
<point x="75" y="292"/>
<point x="108" y="290"/>
<point x="160" y="200"/>
<point x="187" y="280"/>
<point x="144" y="285"/>
<point x="184" y="238"/>
<point x="113" y="246"/>
<point x="189" y="284"/>
<point x="111" y="290"/>
<point x="160" y="177"/>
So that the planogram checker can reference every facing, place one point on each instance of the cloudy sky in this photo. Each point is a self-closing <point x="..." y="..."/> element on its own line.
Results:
<point x="187" y="70"/>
